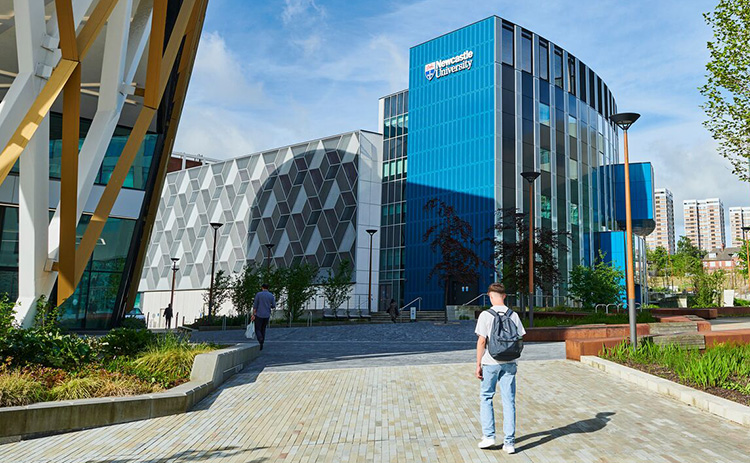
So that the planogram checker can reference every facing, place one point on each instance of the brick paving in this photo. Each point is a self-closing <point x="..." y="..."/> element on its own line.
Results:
<point x="567" y="412"/>
<point x="401" y="393"/>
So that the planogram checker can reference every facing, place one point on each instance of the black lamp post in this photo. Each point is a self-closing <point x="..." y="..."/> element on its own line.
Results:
<point x="530" y="177"/>
<point x="370" y="231"/>
<point x="624" y="121"/>
<point x="215" y="226"/>
<point x="268" y="246"/>
<point x="174" y="275"/>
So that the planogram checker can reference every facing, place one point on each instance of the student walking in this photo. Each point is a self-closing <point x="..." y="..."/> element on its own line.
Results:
<point x="499" y="344"/>
<point x="262" y="305"/>
<point x="168" y="315"/>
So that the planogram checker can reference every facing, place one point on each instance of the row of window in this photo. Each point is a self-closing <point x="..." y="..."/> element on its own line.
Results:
<point x="394" y="169"/>
<point x="591" y="92"/>
<point x="396" y="126"/>
<point x="396" y="104"/>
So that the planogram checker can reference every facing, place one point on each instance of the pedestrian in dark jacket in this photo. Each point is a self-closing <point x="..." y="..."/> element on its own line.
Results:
<point x="168" y="315"/>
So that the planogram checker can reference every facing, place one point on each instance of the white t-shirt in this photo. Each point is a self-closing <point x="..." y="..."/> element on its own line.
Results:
<point x="484" y="328"/>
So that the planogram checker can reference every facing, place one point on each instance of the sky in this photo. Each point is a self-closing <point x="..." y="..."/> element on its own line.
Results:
<point x="271" y="73"/>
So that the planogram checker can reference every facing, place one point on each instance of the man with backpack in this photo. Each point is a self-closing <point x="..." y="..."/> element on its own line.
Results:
<point x="499" y="345"/>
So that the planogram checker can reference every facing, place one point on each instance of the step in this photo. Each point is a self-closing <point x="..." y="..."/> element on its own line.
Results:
<point x="673" y="328"/>
<point x="687" y="340"/>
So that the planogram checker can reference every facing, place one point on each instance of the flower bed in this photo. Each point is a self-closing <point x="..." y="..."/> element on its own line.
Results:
<point x="44" y="363"/>
<point x="723" y="370"/>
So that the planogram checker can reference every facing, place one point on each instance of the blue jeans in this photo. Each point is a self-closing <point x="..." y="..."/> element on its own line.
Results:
<point x="505" y="374"/>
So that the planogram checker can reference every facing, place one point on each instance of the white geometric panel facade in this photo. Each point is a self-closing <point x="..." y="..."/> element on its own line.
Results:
<point x="312" y="200"/>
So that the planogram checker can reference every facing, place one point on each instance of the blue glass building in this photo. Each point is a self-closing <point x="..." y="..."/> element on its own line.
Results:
<point x="485" y="103"/>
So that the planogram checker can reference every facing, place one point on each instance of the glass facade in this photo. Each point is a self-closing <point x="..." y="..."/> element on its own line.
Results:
<point x="92" y="304"/>
<point x="392" y="239"/>
<point x="523" y="104"/>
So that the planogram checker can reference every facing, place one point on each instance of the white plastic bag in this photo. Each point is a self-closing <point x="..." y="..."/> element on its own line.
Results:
<point x="250" y="331"/>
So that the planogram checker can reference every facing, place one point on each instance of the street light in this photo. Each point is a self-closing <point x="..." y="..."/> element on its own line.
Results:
<point x="370" y="231"/>
<point x="624" y="121"/>
<point x="174" y="275"/>
<point x="269" y="246"/>
<point x="745" y="229"/>
<point x="530" y="177"/>
<point x="215" y="226"/>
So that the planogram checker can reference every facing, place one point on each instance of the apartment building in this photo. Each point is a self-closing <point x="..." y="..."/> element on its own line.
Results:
<point x="663" y="234"/>
<point x="738" y="217"/>
<point x="704" y="223"/>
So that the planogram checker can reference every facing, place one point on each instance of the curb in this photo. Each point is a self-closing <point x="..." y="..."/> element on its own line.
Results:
<point x="46" y="418"/>
<point x="724" y="408"/>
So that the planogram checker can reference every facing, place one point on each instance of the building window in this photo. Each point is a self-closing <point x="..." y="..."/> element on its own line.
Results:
<point x="574" y="214"/>
<point x="526" y="60"/>
<point x="572" y="75"/>
<point x="543" y="60"/>
<point x="507" y="43"/>
<point x="582" y="81"/>
<point x="572" y="126"/>
<point x="558" y="67"/>
<point x="544" y="162"/>
<point x="544" y="114"/>
<point x="546" y="207"/>
<point x="573" y="165"/>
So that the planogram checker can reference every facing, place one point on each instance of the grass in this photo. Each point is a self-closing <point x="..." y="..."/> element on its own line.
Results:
<point x="165" y="363"/>
<point x="591" y="319"/>
<point x="725" y="366"/>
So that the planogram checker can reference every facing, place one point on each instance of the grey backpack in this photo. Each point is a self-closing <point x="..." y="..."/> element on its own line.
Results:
<point x="504" y="343"/>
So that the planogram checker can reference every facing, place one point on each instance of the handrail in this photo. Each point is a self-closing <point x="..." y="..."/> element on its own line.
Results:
<point x="481" y="295"/>
<point x="596" y="307"/>
<point x="419" y="307"/>
<point x="612" y="304"/>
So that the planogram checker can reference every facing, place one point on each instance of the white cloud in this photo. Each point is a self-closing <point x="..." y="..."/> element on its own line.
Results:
<point x="294" y="9"/>
<point x="222" y="76"/>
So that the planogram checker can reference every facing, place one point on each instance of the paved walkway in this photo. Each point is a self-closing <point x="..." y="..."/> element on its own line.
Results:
<point x="730" y="323"/>
<point x="406" y="411"/>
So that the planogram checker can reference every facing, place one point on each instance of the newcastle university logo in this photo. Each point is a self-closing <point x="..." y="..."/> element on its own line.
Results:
<point x="429" y="70"/>
<point x="444" y="67"/>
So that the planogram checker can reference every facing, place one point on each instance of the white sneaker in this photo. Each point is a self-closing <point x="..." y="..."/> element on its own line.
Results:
<point x="486" y="443"/>
<point x="509" y="449"/>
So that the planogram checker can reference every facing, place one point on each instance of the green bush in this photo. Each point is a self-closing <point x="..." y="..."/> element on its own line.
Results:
<point x="17" y="388"/>
<point x="218" y="320"/>
<point x="593" y="319"/>
<point x="133" y="323"/>
<point x="126" y="342"/>
<point x="741" y="302"/>
<point x="49" y="348"/>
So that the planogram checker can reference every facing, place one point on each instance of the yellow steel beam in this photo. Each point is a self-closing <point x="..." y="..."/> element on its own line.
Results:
<point x="66" y="25"/>
<point x="69" y="186"/>
<point x="93" y="26"/>
<point x="35" y="115"/>
<point x="185" y="67"/>
<point x="125" y="161"/>
<point x="51" y="90"/>
<point x="155" y="52"/>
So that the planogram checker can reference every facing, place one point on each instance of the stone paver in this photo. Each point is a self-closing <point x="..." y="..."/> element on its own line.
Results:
<point x="366" y="346"/>
<point x="567" y="412"/>
<point x="730" y="323"/>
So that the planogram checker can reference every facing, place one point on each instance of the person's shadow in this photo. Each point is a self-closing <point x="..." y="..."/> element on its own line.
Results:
<point x="579" y="427"/>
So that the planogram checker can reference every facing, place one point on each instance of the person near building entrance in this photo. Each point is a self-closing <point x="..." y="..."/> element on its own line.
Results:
<point x="492" y="371"/>
<point x="168" y="315"/>
<point x="262" y="305"/>
<point x="393" y="310"/>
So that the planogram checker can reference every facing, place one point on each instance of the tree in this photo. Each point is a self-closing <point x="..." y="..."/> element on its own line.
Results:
<point x="222" y="291"/>
<point x="742" y="258"/>
<point x="688" y="258"/>
<point x="659" y="259"/>
<point x="244" y="288"/>
<point x="452" y="238"/>
<point x="599" y="284"/>
<point x="708" y="287"/>
<point x="727" y="90"/>
<point x="338" y="284"/>
<point x="513" y="255"/>
<point x="300" y="280"/>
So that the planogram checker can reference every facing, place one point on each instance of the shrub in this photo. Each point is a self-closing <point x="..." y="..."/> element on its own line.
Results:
<point x="126" y="341"/>
<point x="101" y="383"/>
<point x="17" y="388"/>
<point x="7" y="309"/>
<point x="49" y="348"/>
<point x="133" y="323"/>
<point x="741" y="302"/>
